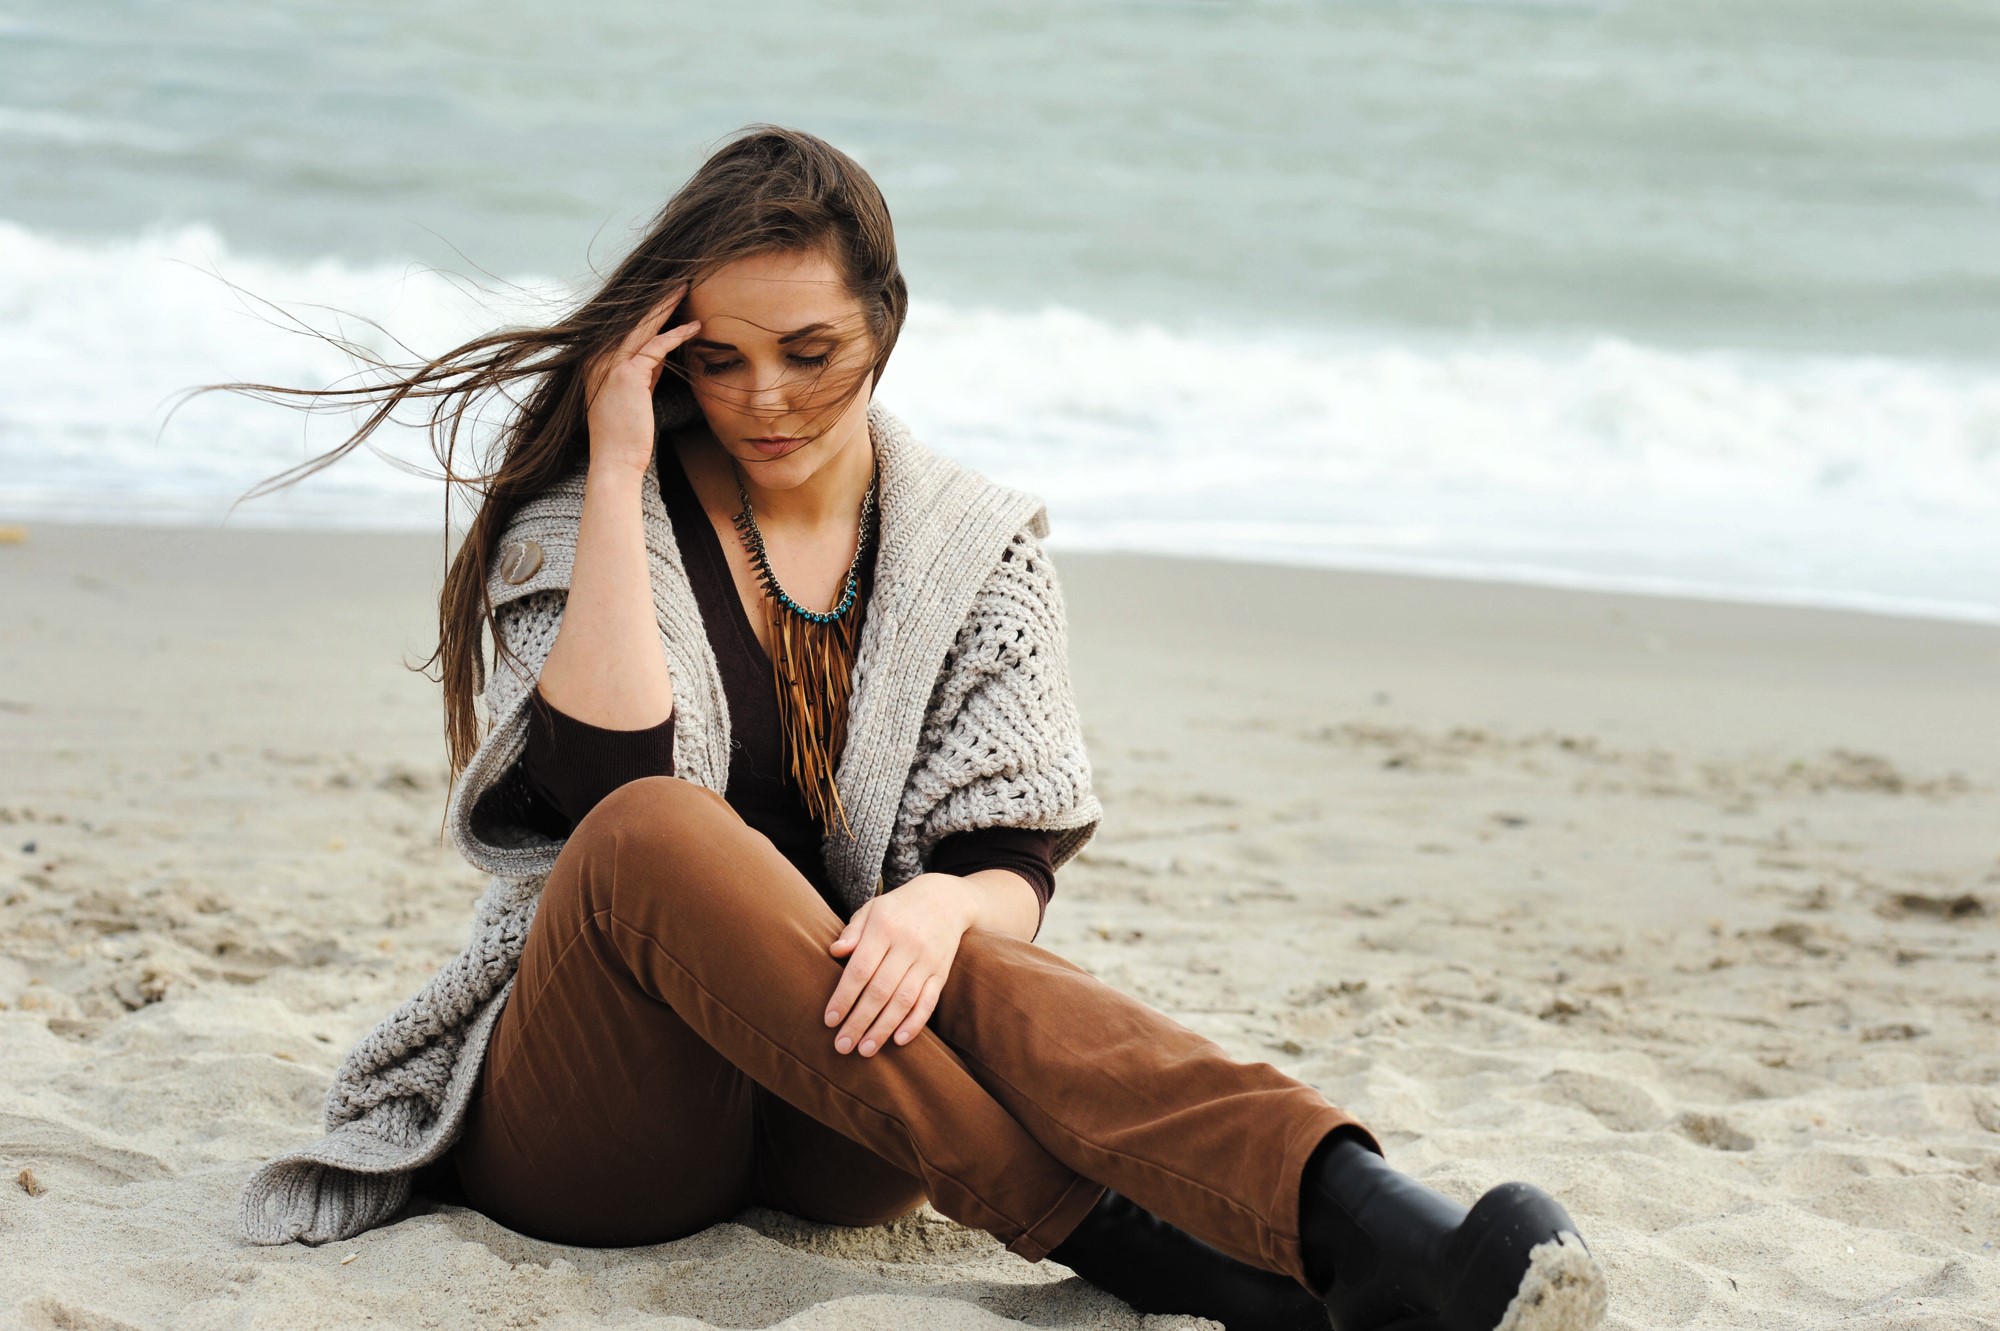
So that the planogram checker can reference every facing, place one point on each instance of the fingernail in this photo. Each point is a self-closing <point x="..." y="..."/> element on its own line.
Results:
<point x="867" y="1046"/>
<point x="833" y="1016"/>
<point x="843" y="1044"/>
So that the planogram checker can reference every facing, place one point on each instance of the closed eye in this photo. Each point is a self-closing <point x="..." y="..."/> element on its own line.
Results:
<point x="724" y="366"/>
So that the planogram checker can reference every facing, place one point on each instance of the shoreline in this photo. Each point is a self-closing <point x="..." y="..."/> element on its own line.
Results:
<point x="1540" y="577"/>
<point x="1544" y="577"/>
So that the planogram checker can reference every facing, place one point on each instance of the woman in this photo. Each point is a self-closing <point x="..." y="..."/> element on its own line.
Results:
<point x="780" y="761"/>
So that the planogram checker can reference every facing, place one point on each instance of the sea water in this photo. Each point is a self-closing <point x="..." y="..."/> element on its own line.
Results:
<point x="1674" y="295"/>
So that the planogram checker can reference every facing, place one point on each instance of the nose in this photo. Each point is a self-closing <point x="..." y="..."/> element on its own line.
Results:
<point x="770" y="394"/>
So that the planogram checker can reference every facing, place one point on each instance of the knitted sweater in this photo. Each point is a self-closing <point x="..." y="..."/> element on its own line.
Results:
<point x="961" y="717"/>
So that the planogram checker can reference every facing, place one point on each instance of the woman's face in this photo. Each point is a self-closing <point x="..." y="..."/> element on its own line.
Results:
<point x="781" y="367"/>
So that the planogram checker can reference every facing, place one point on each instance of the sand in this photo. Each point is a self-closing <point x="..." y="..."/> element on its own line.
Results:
<point x="1688" y="912"/>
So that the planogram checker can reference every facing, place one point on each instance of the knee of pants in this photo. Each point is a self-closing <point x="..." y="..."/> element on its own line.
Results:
<point x="647" y="828"/>
<point x="981" y="951"/>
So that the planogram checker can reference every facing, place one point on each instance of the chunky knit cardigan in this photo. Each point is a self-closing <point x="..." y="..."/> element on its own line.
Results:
<point x="961" y="718"/>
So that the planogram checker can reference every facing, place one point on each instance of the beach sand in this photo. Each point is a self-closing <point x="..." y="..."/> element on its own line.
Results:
<point x="1686" y="911"/>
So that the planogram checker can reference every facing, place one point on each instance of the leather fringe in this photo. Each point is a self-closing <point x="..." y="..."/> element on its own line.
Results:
<point x="814" y="668"/>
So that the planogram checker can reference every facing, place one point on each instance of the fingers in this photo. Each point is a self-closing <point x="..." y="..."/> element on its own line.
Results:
<point x="921" y="1013"/>
<point x="890" y="984"/>
<point x="908" y="993"/>
<point x="655" y="348"/>
<point x="649" y="327"/>
<point x="873" y="998"/>
<point x="878" y="992"/>
<point x="861" y="967"/>
<point x="641" y="337"/>
<point x="654" y="354"/>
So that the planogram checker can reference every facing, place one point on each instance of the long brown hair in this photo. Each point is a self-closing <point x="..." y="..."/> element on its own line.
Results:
<point x="767" y="189"/>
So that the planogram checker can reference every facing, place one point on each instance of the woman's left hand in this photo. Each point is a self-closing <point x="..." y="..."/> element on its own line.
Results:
<point x="899" y="949"/>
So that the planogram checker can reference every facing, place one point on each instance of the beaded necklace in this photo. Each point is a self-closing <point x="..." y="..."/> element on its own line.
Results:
<point x="812" y="660"/>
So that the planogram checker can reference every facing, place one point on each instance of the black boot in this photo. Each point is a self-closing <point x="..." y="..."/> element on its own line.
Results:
<point x="1393" y="1255"/>
<point x="1126" y="1250"/>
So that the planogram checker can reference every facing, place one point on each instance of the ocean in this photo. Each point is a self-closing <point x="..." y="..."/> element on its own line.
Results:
<point x="1678" y="296"/>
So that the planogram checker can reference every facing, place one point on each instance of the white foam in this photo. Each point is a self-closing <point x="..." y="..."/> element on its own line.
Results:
<point x="99" y="340"/>
<point x="1857" y="481"/>
<point x="1864" y="482"/>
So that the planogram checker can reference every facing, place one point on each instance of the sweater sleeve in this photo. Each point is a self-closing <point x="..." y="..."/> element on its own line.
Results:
<point x="1001" y="745"/>
<point x="1029" y="852"/>
<point x="571" y="765"/>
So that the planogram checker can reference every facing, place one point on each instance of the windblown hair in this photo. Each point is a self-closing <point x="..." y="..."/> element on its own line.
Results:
<point x="766" y="190"/>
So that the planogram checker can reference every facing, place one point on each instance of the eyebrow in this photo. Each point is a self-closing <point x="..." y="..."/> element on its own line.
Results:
<point x="792" y="336"/>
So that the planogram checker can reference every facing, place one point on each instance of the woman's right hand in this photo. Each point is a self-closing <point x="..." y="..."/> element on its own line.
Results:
<point x="619" y="387"/>
<point x="605" y="667"/>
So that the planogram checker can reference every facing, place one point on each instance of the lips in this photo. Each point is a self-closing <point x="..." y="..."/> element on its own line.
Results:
<point x="777" y="447"/>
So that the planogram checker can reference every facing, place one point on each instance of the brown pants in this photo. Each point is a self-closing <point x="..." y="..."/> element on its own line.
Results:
<point x="663" y="1062"/>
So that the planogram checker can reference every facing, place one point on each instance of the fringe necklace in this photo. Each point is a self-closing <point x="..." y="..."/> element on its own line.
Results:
<point x="812" y="659"/>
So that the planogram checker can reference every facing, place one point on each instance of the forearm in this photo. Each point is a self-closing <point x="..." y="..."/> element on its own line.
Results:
<point x="1003" y="901"/>
<point x="606" y="667"/>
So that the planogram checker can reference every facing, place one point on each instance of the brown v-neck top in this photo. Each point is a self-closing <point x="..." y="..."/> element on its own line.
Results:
<point x="570" y="765"/>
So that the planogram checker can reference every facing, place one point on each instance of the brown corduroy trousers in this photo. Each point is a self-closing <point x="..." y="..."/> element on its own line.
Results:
<point x="663" y="1062"/>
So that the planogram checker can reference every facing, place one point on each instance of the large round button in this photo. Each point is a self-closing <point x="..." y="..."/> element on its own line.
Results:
<point x="519" y="561"/>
